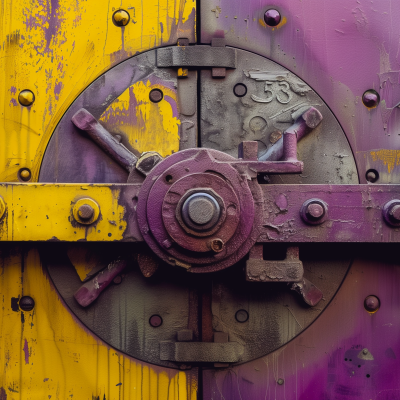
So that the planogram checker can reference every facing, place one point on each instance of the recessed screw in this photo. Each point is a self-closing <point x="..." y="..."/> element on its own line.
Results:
<point x="121" y="18"/>
<point x="241" y="316"/>
<point x="85" y="212"/>
<point x="240" y="90"/>
<point x="24" y="174"/>
<point x="372" y="175"/>
<point x="370" y="98"/>
<point x="281" y="381"/>
<point x="156" y="95"/>
<point x="26" y="303"/>
<point x="155" y="321"/>
<point x="217" y="245"/>
<point x="372" y="304"/>
<point x="26" y="98"/>
<point x="272" y="17"/>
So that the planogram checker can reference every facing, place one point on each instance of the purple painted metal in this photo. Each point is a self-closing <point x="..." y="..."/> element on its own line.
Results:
<point x="324" y="362"/>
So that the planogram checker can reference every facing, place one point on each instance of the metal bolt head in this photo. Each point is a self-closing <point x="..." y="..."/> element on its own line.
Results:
<point x="372" y="175"/>
<point x="280" y="381"/>
<point x="200" y="211"/>
<point x="372" y="304"/>
<point x="315" y="211"/>
<point x="85" y="212"/>
<point x="26" y="303"/>
<point x="272" y="17"/>
<point x="156" y="95"/>
<point x="365" y="351"/>
<point x="155" y="321"/>
<point x="370" y="98"/>
<point x="217" y="245"/>
<point x="24" y="174"/>
<point x="395" y="212"/>
<point x="241" y="316"/>
<point x="121" y="18"/>
<point x="26" y="98"/>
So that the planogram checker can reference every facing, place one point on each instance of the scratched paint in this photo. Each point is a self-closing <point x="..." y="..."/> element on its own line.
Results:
<point x="389" y="158"/>
<point x="58" y="48"/>
<point x="48" y="354"/>
<point x="148" y="126"/>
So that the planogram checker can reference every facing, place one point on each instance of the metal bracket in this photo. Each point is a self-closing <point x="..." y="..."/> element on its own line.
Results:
<point x="199" y="56"/>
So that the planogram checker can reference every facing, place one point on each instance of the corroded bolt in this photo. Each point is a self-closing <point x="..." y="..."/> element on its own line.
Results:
<point x="281" y="381"/>
<point x="24" y="174"/>
<point x="372" y="304"/>
<point x="155" y="321"/>
<point x="121" y="18"/>
<point x="272" y="17"/>
<point x="156" y="95"/>
<point x="26" y="303"/>
<point x="26" y="98"/>
<point x="85" y="212"/>
<point x="315" y="211"/>
<point x="217" y="245"/>
<point x="365" y="351"/>
<point x="370" y="98"/>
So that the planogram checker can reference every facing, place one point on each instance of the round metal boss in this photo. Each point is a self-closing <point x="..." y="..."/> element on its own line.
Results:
<point x="26" y="98"/>
<point x="86" y="211"/>
<point x="26" y="303"/>
<point x="121" y="18"/>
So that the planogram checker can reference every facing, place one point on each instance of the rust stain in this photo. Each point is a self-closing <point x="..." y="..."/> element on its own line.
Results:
<point x="390" y="158"/>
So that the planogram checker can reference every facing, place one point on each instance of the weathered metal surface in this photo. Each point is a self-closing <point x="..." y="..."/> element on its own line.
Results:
<point x="323" y="361"/>
<point x="341" y="50"/>
<point x="56" y="50"/>
<point x="47" y="352"/>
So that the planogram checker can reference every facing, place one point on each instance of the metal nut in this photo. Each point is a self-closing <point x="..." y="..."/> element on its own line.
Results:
<point x="314" y="211"/>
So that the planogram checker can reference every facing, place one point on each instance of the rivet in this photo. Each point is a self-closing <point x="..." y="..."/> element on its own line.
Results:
<point x="156" y="95"/>
<point x="26" y="98"/>
<point x="155" y="321"/>
<point x="240" y="90"/>
<point x="24" y="174"/>
<point x="372" y="175"/>
<point x="372" y="304"/>
<point x="272" y="17"/>
<point x="26" y="303"/>
<point x="117" y="280"/>
<point x="86" y="211"/>
<point x="217" y="245"/>
<point x="121" y="18"/>
<point x="241" y="316"/>
<point x="370" y="98"/>
<point x="281" y="381"/>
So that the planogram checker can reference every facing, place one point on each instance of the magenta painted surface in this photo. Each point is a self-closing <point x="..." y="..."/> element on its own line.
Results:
<point x="26" y="352"/>
<point x="341" y="48"/>
<point x="323" y="362"/>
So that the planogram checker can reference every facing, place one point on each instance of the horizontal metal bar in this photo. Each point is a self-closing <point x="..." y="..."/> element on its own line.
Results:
<point x="354" y="213"/>
<point x="44" y="212"/>
<point x="229" y="352"/>
<point x="197" y="56"/>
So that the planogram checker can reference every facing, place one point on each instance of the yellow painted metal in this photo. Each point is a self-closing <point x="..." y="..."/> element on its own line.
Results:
<point x="149" y="126"/>
<point x="47" y="354"/>
<point x="57" y="48"/>
<point x="40" y="212"/>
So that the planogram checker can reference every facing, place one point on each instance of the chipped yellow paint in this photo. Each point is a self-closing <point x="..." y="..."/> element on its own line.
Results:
<point x="44" y="211"/>
<point x="56" y="48"/>
<point x="47" y="354"/>
<point x="282" y="23"/>
<point x="135" y="115"/>
<point x="390" y="158"/>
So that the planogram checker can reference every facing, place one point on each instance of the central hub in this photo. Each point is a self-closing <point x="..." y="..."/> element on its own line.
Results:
<point x="201" y="211"/>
